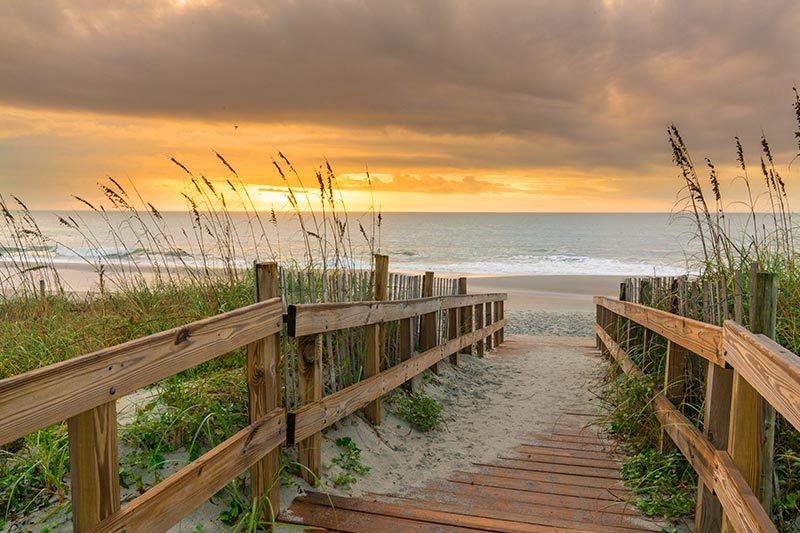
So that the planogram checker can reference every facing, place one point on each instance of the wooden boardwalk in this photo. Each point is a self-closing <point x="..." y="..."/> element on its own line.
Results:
<point x="566" y="480"/>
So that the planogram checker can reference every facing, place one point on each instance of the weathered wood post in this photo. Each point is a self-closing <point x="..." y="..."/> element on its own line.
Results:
<point x="480" y="344"/>
<point x="94" y="465"/>
<point x="452" y="330"/>
<point x="488" y="322"/>
<point x="496" y="312"/>
<point x="428" y="330"/>
<point x="502" y="315"/>
<point x="309" y="390"/>
<point x="466" y="315"/>
<point x="675" y="367"/>
<point x="374" y="336"/>
<point x="752" y="419"/>
<point x="264" y="393"/>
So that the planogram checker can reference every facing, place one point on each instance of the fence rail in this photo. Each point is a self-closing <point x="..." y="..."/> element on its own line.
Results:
<point x="746" y="373"/>
<point x="84" y="390"/>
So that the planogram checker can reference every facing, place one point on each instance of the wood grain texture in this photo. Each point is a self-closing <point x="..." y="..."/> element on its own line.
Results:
<point x="698" y="337"/>
<point x="428" y="326"/>
<point x="465" y="315"/>
<point x="406" y="351"/>
<point x="94" y="465"/>
<point x="714" y="467"/>
<point x="37" y="399"/>
<point x="742" y="508"/>
<point x="264" y="393"/>
<point x="716" y="417"/>
<point x="309" y="388"/>
<point x="770" y="368"/>
<point x="313" y="418"/>
<point x="374" y="337"/>
<point x="164" y="505"/>
<point x="309" y="319"/>
<point x="480" y="345"/>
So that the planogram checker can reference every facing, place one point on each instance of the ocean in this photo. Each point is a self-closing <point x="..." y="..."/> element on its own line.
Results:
<point x="465" y="243"/>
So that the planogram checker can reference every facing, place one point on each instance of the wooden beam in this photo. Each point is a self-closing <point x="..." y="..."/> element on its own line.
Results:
<point x="39" y="398"/>
<point x="309" y="390"/>
<point x="310" y="319"/>
<point x="94" y="465"/>
<point x="167" y="503"/>
<point x="264" y="395"/>
<point x="313" y="418"/>
<point x="698" y="337"/>
<point x="502" y="331"/>
<point x="742" y="508"/>
<point x="770" y="368"/>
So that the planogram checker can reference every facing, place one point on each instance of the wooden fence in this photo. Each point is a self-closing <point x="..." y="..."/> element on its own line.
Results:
<point x="747" y="375"/>
<point x="84" y="391"/>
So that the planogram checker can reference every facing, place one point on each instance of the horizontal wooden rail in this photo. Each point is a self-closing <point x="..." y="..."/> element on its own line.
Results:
<point x="714" y="467"/>
<point x="37" y="399"/>
<point x="167" y="503"/>
<point x="314" y="417"/>
<point x="311" y="319"/>
<point x="698" y="337"/>
<point x="767" y="366"/>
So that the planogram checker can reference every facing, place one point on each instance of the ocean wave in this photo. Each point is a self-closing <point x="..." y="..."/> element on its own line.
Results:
<point x="548" y="265"/>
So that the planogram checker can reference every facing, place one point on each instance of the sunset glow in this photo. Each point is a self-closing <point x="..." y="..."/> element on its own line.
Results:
<point x="490" y="114"/>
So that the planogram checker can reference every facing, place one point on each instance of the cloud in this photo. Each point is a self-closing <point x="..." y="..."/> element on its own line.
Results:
<point x="419" y="87"/>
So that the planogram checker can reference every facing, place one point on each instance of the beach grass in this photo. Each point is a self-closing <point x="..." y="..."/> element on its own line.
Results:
<point x="179" y="418"/>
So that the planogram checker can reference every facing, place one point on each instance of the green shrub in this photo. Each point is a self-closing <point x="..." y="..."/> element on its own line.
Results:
<point x="420" y="411"/>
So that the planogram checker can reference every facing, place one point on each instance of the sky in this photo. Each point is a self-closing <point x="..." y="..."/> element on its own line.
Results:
<point x="452" y="105"/>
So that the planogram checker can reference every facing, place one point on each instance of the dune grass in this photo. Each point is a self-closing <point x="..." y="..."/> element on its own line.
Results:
<point x="147" y="283"/>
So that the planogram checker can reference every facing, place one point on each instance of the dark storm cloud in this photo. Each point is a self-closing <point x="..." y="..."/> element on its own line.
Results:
<point x="581" y="82"/>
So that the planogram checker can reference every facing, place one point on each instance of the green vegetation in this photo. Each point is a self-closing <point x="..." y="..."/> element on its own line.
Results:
<point x="420" y="411"/>
<point x="663" y="483"/>
<point x="768" y="239"/>
<point x="147" y="283"/>
<point x="349" y="463"/>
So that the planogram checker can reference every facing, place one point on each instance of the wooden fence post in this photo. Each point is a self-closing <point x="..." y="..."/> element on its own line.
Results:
<point x="752" y="422"/>
<point x="374" y="334"/>
<point x="264" y="393"/>
<point x="502" y="315"/>
<point x="719" y="382"/>
<point x="496" y="306"/>
<point x="94" y="465"/>
<point x="479" y="316"/>
<point x="428" y="329"/>
<point x="488" y="322"/>
<point x="406" y="351"/>
<point x="452" y="330"/>
<point x="309" y="390"/>
<point x="466" y="315"/>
